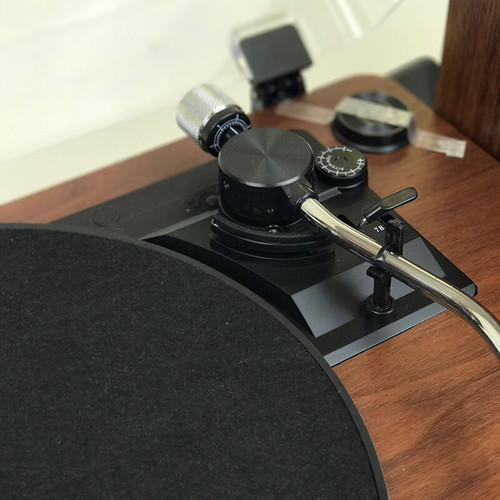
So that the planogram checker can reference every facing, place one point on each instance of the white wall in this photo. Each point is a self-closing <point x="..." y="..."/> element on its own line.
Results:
<point x="86" y="84"/>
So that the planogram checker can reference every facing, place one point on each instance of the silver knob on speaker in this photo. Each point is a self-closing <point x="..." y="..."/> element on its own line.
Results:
<point x="210" y="117"/>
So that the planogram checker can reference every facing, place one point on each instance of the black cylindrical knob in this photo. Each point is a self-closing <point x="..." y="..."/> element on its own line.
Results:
<point x="257" y="170"/>
<point x="367" y="135"/>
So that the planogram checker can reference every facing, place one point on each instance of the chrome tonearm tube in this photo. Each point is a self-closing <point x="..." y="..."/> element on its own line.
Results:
<point x="411" y="274"/>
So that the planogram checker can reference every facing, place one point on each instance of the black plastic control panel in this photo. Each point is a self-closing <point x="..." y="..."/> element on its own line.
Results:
<point x="323" y="291"/>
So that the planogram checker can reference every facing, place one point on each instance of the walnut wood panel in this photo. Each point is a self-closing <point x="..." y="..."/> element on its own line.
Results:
<point x="431" y="396"/>
<point x="468" y="93"/>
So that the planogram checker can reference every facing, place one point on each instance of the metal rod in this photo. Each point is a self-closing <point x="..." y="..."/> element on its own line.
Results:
<point x="408" y="272"/>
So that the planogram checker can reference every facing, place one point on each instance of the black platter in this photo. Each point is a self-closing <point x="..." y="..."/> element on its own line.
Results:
<point x="131" y="371"/>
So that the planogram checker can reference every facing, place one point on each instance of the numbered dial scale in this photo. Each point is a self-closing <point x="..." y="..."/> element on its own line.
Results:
<point x="223" y="126"/>
<point x="342" y="166"/>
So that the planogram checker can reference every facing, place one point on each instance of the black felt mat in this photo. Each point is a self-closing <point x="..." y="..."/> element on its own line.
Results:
<point x="127" y="372"/>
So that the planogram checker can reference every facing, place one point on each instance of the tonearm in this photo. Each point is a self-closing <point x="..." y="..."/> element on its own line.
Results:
<point x="221" y="128"/>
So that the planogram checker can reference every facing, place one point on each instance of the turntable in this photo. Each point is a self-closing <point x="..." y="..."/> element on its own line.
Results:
<point x="174" y="345"/>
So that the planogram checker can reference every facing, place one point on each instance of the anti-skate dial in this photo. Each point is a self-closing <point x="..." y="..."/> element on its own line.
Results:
<point x="225" y="127"/>
<point x="342" y="166"/>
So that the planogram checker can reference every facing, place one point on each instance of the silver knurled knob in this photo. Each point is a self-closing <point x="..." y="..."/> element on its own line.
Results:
<point x="198" y="106"/>
<point x="210" y="117"/>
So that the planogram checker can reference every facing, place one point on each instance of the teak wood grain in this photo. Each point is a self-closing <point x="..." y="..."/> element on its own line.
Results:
<point x="430" y="397"/>
<point x="468" y="93"/>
